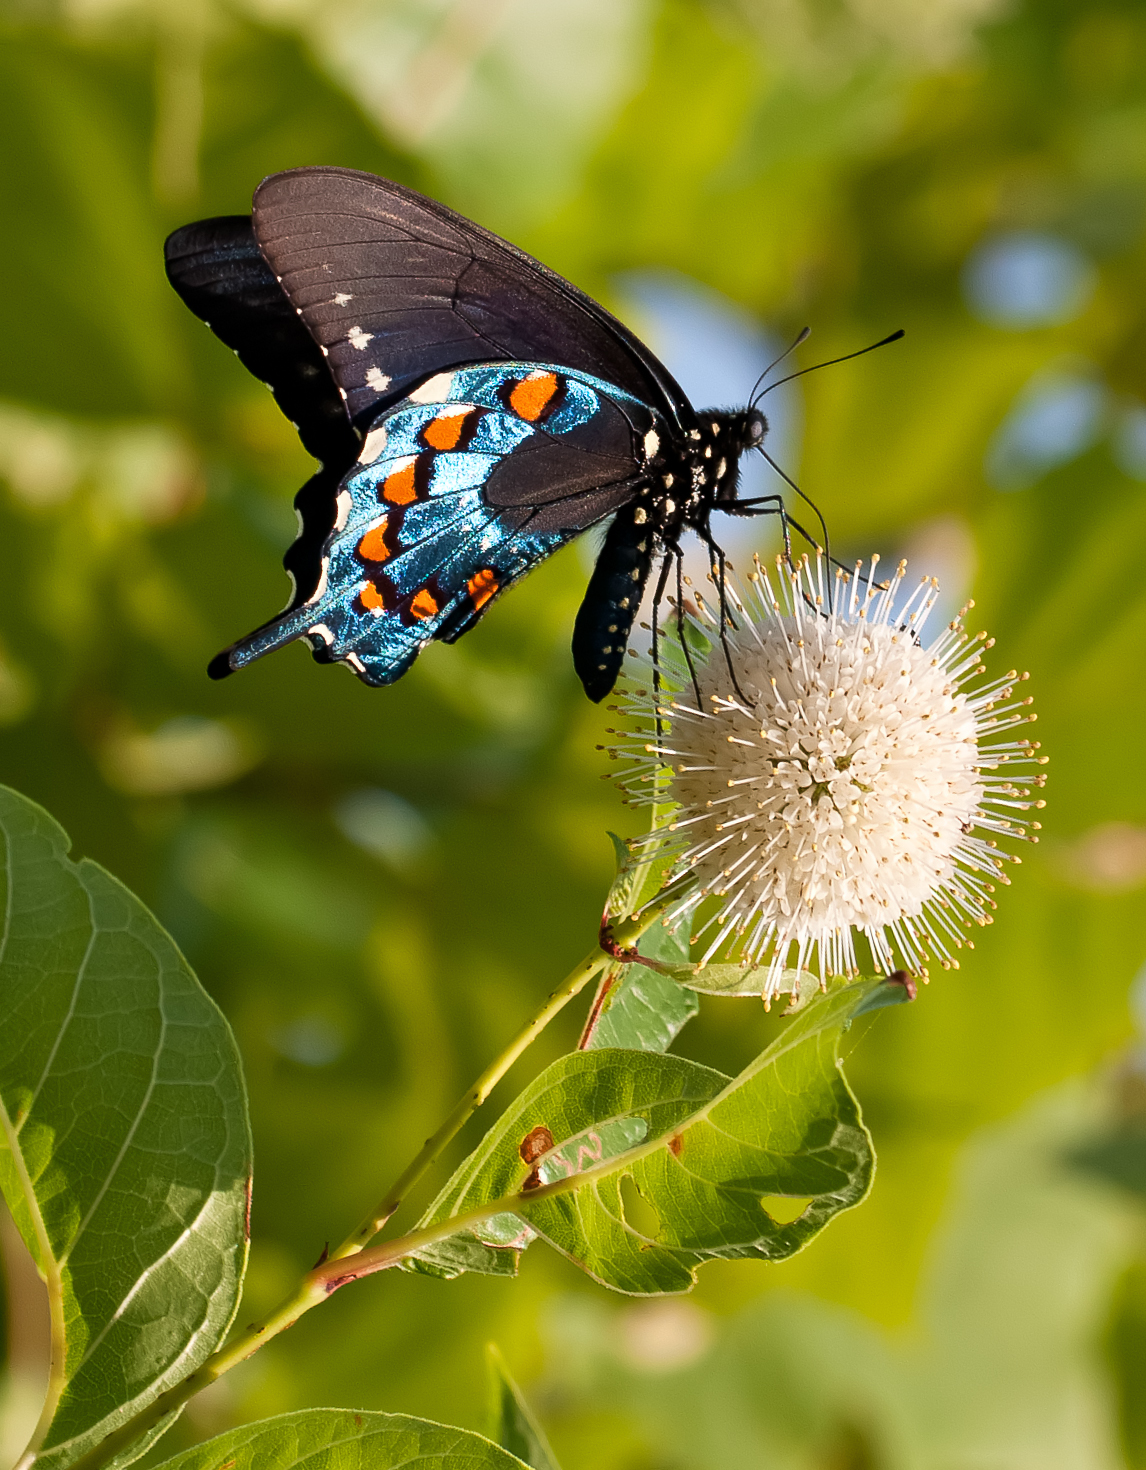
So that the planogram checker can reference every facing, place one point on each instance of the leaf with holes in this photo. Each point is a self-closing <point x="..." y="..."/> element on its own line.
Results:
<point x="127" y="1157"/>
<point x="586" y="1107"/>
<point x="640" y="1167"/>
<point x="341" y="1439"/>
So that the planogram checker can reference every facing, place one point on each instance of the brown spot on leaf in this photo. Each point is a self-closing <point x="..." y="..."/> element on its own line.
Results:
<point x="675" y="1144"/>
<point x="537" y="1142"/>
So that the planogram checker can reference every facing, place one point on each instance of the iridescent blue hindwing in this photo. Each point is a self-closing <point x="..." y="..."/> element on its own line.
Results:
<point x="459" y="490"/>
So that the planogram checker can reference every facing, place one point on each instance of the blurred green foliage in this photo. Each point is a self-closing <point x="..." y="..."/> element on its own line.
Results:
<point x="378" y="886"/>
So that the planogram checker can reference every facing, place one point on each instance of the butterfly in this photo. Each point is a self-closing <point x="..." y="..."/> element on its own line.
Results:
<point x="471" y="412"/>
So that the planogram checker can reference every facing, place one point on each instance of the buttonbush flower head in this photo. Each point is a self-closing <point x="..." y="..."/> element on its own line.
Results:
<point x="838" y="776"/>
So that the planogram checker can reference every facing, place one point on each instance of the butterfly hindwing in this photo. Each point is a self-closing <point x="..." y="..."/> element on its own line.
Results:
<point x="447" y="506"/>
<point x="395" y="287"/>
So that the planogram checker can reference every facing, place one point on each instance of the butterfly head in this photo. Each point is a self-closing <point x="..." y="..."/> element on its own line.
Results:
<point x="746" y="428"/>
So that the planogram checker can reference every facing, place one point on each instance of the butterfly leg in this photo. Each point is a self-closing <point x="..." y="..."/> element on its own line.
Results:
<point x="764" y="505"/>
<point x="718" y="564"/>
<point x="662" y="582"/>
<point x="676" y="552"/>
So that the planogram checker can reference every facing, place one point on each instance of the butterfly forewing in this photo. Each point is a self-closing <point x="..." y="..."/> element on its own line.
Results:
<point x="217" y="268"/>
<point x="395" y="287"/>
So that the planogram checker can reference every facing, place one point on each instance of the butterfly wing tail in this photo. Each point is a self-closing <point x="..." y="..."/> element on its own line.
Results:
<point x="275" y="634"/>
<point x="305" y="622"/>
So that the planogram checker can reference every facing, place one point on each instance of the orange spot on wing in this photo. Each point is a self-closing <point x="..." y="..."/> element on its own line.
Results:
<point x="371" y="598"/>
<point x="481" y="587"/>
<point x="398" y="487"/>
<point x="531" y="396"/>
<point x="373" y="545"/>
<point x="445" y="431"/>
<point x="424" y="604"/>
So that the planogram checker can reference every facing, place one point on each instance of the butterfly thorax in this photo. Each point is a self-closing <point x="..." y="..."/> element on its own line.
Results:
<point x="690" y="476"/>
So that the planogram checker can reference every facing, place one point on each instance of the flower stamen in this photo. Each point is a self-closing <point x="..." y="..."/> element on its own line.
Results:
<point x="847" y="763"/>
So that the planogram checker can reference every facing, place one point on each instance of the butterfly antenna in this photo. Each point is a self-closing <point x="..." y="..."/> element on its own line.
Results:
<point x="807" y="499"/>
<point x="831" y="362"/>
<point x="788" y="480"/>
<point x="805" y="333"/>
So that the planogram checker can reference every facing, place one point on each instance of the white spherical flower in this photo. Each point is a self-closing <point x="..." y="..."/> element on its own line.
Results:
<point x="830" y="773"/>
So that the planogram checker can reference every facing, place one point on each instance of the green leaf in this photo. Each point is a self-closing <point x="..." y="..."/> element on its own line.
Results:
<point x="596" y="1105"/>
<point x="658" y="1164"/>
<point x="1116" y="1156"/>
<point x="641" y="872"/>
<point x="740" y="980"/>
<point x="127" y="1151"/>
<point x="342" y="1439"/>
<point x="514" y="1426"/>
<point x="646" y="1009"/>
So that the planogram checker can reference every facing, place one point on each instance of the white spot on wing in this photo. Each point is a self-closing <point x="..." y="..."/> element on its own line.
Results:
<point x="434" y="390"/>
<point x="320" y="591"/>
<point x="375" y="444"/>
<point x="342" y="509"/>
<point x="652" y="443"/>
<point x="341" y="298"/>
<point x="377" y="380"/>
<point x="320" y="630"/>
<point x="355" y="663"/>
<point x="358" y="338"/>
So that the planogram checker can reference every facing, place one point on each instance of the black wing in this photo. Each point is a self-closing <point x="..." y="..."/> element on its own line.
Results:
<point x="395" y="287"/>
<point x="218" y="270"/>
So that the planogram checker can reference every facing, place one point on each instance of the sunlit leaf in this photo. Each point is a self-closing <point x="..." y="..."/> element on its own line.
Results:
<point x="656" y="1164"/>
<point x="340" y="1439"/>
<point x="588" y="1106"/>
<point x="126" y="1162"/>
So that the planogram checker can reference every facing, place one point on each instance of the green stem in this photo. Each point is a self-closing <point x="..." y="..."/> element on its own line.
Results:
<point x="625" y="933"/>
<point x="469" y="1103"/>
<point x="50" y="1267"/>
<point x="325" y="1278"/>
